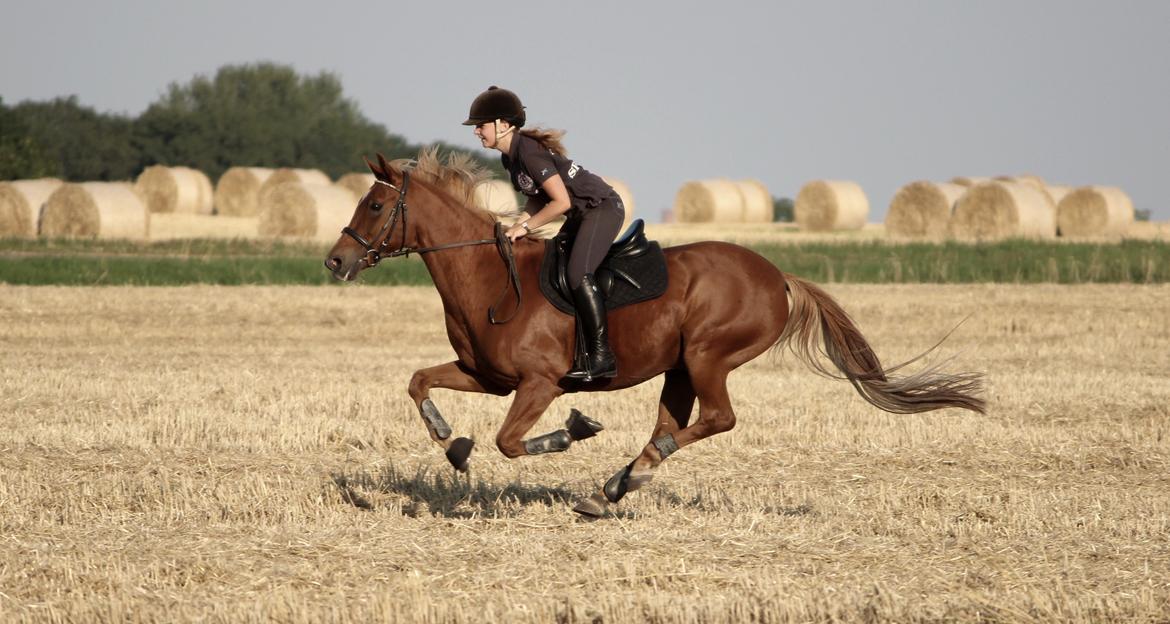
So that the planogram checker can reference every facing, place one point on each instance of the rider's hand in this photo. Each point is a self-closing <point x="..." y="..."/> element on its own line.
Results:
<point x="516" y="231"/>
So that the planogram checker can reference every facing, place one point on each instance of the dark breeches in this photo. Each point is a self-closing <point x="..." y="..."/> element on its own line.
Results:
<point x="594" y="231"/>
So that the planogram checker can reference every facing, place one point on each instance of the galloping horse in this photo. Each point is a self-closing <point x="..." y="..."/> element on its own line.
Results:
<point x="724" y="305"/>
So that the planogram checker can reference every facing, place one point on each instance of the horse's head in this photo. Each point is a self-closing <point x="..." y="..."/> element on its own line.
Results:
<point x="378" y="223"/>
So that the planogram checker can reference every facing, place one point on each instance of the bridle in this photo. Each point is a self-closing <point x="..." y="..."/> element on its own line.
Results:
<point x="374" y="254"/>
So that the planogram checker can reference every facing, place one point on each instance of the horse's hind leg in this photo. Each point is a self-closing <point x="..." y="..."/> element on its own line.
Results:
<point x="674" y="412"/>
<point x="578" y="427"/>
<point x="533" y="396"/>
<point x="453" y="376"/>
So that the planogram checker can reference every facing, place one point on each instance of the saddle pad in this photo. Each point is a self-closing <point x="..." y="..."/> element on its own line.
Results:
<point x="648" y="270"/>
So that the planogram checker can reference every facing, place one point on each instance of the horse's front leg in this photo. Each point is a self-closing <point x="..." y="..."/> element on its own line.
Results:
<point x="453" y="376"/>
<point x="533" y="397"/>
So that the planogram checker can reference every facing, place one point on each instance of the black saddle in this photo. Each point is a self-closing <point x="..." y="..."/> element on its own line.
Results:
<point x="634" y="270"/>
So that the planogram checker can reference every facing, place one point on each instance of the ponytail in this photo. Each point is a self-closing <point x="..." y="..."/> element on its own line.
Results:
<point x="548" y="138"/>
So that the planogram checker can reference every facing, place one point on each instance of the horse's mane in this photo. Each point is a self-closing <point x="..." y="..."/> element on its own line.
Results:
<point x="457" y="174"/>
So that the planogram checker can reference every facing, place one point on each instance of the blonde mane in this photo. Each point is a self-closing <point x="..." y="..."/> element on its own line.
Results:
<point x="457" y="174"/>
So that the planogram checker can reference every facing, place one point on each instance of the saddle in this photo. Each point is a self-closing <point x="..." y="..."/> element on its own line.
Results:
<point x="634" y="270"/>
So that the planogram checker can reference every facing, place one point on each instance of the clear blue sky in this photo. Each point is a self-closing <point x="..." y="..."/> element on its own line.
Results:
<point x="658" y="93"/>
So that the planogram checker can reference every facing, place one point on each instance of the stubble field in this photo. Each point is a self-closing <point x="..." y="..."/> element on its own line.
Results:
<point x="250" y="454"/>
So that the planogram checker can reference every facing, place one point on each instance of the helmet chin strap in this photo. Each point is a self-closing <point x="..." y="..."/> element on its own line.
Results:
<point x="504" y="134"/>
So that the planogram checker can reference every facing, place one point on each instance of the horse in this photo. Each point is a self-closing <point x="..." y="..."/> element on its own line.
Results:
<point x="723" y="306"/>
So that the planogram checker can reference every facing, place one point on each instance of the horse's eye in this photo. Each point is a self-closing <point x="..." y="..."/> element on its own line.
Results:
<point x="375" y="206"/>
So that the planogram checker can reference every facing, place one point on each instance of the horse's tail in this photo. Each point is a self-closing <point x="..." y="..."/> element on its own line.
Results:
<point x="816" y="320"/>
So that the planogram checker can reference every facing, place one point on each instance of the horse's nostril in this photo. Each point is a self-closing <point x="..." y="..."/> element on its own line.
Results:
<point x="333" y="263"/>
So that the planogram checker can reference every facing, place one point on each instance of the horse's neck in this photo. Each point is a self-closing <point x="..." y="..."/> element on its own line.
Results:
<point x="464" y="276"/>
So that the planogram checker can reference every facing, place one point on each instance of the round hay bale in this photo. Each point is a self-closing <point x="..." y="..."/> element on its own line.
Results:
<point x="1057" y="192"/>
<point x="1093" y="211"/>
<point x="825" y="205"/>
<point x="356" y="183"/>
<point x="174" y="189"/>
<point x="96" y="210"/>
<point x="922" y="209"/>
<point x="206" y="194"/>
<point x="706" y="201"/>
<point x="757" y="201"/>
<point x="1033" y="181"/>
<point x="970" y="180"/>
<point x="20" y="205"/>
<point x="996" y="210"/>
<point x="623" y="191"/>
<point x="171" y="226"/>
<point x="237" y="194"/>
<point x="305" y="210"/>
<point x="497" y="197"/>
<point x="287" y="174"/>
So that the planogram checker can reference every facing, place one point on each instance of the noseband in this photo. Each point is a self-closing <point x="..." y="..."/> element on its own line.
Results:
<point x="374" y="254"/>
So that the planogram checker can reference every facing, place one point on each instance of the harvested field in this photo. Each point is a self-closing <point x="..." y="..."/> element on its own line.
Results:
<point x="228" y="454"/>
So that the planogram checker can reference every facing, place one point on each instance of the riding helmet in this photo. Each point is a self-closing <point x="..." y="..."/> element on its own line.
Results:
<point x="496" y="103"/>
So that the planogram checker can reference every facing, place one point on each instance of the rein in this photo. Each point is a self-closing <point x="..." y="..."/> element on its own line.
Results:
<point x="374" y="254"/>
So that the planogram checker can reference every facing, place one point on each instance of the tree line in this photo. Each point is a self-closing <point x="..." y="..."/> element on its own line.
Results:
<point x="262" y="114"/>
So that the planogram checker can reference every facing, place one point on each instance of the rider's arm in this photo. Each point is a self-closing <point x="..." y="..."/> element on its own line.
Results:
<point x="558" y="202"/>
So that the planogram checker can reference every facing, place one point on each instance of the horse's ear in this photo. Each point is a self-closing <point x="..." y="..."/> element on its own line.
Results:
<point x="378" y="172"/>
<point x="389" y="171"/>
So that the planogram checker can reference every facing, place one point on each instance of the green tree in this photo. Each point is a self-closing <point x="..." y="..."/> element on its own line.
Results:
<point x="262" y="115"/>
<point x="782" y="209"/>
<point x="64" y="139"/>
<point x="21" y="157"/>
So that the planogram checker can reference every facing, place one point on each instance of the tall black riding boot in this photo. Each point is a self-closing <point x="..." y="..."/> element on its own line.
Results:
<point x="591" y="313"/>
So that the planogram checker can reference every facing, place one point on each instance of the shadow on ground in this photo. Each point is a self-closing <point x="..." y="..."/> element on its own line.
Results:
<point x="448" y="495"/>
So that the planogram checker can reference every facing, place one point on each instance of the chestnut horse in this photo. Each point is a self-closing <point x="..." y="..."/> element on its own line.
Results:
<point x="723" y="306"/>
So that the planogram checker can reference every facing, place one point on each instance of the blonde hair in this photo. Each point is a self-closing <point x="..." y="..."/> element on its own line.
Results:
<point x="548" y="138"/>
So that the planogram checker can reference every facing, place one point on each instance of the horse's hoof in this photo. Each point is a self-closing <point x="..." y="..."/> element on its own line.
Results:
<point x="459" y="453"/>
<point x="592" y="507"/>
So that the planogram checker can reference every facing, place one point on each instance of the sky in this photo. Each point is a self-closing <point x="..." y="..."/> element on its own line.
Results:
<point x="660" y="93"/>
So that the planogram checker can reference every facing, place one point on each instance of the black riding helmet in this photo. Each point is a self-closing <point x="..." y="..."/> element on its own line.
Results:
<point x="493" y="104"/>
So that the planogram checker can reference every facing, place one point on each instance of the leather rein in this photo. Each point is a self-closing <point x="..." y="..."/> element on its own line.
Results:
<point x="374" y="254"/>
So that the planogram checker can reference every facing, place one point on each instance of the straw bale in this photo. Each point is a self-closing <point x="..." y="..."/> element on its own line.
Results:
<point x="206" y="193"/>
<point x="757" y="201"/>
<point x="20" y="205"/>
<point x="96" y="210"/>
<point x="1033" y="181"/>
<point x="237" y="194"/>
<point x="922" y="209"/>
<point x="174" y="189"/>
<point x="998" y="209"/>
<point x="305" y="210"/>
<point x="287" y="174"/>
<point x="970" y="180"/>
<point x="623" y="191"/>
<point x="170" y="226"/>
<point x="1093" y="211"/>
<point x="1057" y="192"/>
<point x="357" y="183"/>
<point x="706" y="201"/>
<point x="497" y="197"/>
<point x="824" y="205"/>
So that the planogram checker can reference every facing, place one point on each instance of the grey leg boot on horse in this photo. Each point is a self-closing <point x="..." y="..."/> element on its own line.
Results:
<point x="591" y="313"/>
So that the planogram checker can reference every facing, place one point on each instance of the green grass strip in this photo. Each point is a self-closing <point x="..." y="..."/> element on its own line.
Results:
<point x="1024" y="262"/>
<point x="173" y="263"/>
<point x="75" y="270"/>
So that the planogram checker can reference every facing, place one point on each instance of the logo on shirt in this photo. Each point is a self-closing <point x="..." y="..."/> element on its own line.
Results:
<point x="544" y="172"/>
<point x="525" y="183"/>
<point x="573" y="169"/>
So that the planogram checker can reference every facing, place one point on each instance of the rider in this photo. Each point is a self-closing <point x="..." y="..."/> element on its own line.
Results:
<point x="554" y="185"/>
